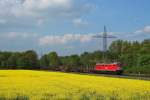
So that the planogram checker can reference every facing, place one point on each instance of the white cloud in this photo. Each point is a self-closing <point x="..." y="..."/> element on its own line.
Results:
<point x="50" y="40"/>
<point x="38" y="7"/>
<point x="15" y="35"/>
<point x="79" y="22"/>
<point x="30" y="6"/>
<point x="67" y="38"/>
<point x="146" y="29"/>
<point x="43" y="4"/>
<point x="30" y="12"/>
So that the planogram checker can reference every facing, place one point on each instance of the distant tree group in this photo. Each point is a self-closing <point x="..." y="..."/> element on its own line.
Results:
<point x="18" y="60"/>
<point x="134" y="57"/>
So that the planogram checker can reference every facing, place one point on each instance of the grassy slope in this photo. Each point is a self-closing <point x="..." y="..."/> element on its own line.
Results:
<point x="40" y="85"/>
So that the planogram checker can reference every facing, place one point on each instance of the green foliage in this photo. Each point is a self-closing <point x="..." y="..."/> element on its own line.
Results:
<point x="134" y="57"/>
<point x="138" y="69"/>
<point x="12" y="60"/>
<point x="16" y="60"/>
<point x="70" y="63"/>
<point x="85" y="59"/>
<point x="44" y="62"/>
<point x="28" y="60"/>
<point x="116" y="47"/>
<point x="144" y="60"/>
<point x="53" y="60"/>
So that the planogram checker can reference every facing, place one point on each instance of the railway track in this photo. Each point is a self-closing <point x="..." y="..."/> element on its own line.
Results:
<point x="127" y="76"/>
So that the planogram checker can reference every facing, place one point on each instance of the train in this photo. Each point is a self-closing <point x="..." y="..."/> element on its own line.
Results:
<point x="105" y="68"/>
<point x="113" y="68"/>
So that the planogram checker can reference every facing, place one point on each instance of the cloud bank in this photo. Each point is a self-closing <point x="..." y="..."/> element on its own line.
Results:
<point x="66" y="38"/>
<point x="45" y="40"/>
<point x="36" y="12"/>
<point x="146" y="29"/>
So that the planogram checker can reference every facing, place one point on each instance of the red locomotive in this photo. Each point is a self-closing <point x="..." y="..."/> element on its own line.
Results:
<point x="109" y="68"/>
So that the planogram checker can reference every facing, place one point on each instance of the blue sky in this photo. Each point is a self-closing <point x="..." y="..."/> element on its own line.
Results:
<point x="67" y="26"/>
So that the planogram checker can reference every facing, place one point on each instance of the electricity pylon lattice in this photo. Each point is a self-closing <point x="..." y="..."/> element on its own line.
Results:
<point x="105" y="37"/>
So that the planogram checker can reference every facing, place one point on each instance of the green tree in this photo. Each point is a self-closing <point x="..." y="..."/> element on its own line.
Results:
<point x="4" y="58"/>
<point x="73" y="62"/>
<point x="12" y="60"/>
<point x="21" y="63"/>
<point x="70" y="63"/>
<point x="28" y="60"/>
<point x="144" y="60"/>
<point x="145" y="47"/>
<point x="88" y="59"/>
<point x="54" y="61"/>
<point x="116" y="47"/>
<point x="96" y="57"/>
<point x="44" y="62"/>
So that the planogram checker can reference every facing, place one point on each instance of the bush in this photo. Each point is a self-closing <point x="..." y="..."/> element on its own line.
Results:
<point x="140" y="69"/>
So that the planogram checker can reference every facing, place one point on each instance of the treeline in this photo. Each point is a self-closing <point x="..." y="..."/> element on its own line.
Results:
<point x="133" y="56"/>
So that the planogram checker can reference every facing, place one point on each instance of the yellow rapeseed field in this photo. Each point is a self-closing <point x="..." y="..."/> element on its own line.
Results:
<point x="41" y="85"/>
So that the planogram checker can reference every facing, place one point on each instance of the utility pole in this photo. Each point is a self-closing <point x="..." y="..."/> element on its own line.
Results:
<point x="105" y="40"/>
<point x="105" y="37"/>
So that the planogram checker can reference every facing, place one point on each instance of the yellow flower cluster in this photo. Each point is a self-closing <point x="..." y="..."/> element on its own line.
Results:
<point x="41" y="85"/>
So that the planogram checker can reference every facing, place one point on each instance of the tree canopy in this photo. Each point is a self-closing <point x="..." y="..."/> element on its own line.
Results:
<point x="133" y="55"/>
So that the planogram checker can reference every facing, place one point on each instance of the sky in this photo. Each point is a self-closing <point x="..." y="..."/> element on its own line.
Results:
<point x="67" y="26"/>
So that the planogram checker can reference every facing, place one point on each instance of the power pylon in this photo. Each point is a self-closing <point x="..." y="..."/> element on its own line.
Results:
<point x="104" y="38"/>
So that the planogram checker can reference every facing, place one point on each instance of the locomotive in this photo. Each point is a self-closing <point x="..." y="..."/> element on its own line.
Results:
<point x="104" y="68"/>
<point x="114" y="68"/>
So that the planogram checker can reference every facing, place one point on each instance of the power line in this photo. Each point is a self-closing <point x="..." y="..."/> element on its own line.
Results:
<point x="104" y="37"/>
